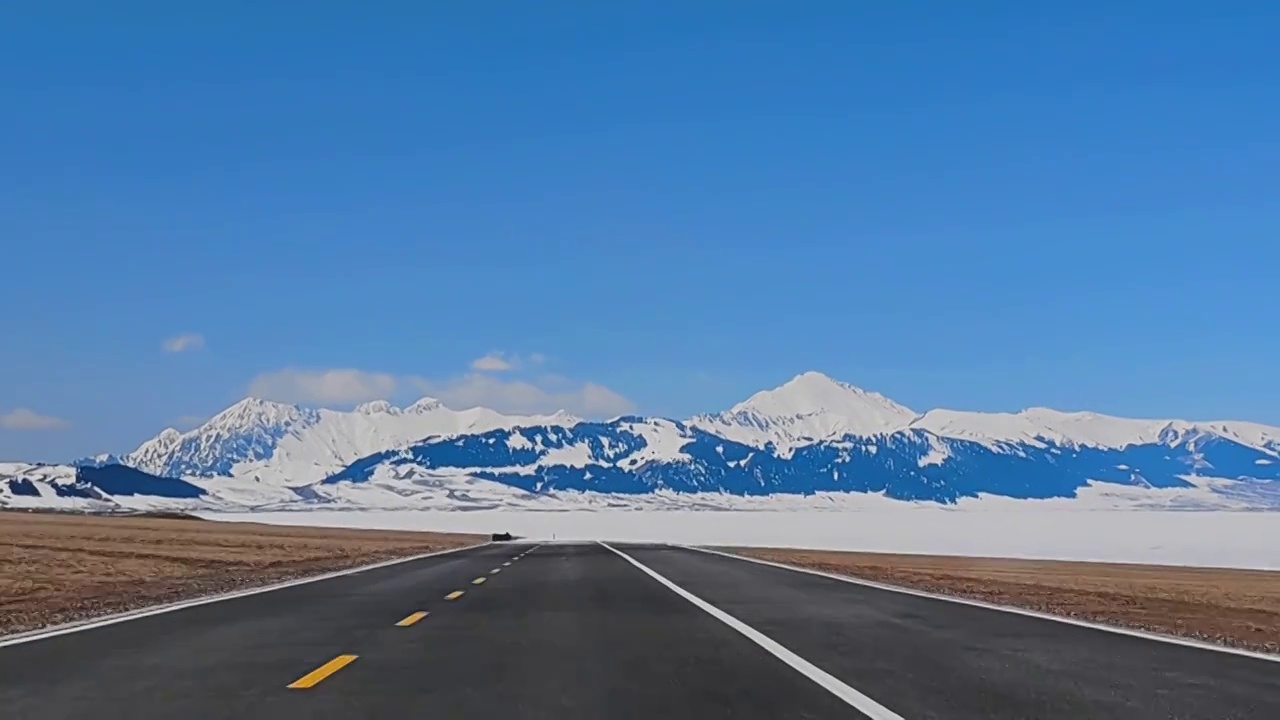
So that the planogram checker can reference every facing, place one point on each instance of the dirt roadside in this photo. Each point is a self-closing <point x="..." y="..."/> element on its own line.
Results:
<point x="1240" y="608"/>
<point x="57" y="568"/>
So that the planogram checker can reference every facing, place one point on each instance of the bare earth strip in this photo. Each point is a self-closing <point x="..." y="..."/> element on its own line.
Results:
<point x="61" y="568"/>
<point x="1240" y="608"/>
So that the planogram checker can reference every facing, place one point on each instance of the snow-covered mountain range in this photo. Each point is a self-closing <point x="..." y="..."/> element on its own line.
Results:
<point x="293" y="445"/>
<point x="811" y="437"/>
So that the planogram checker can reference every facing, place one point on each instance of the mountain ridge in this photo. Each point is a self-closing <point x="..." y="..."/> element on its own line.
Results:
<point x="809" y="408"/>
<point x="252" y="432"/>
<point x="809" y="435"/>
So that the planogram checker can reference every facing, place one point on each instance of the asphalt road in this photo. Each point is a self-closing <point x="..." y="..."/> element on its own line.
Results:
<point x="581" y="631"/>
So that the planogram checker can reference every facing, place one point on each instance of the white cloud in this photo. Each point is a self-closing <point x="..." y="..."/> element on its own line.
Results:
<point x="24" y="419"/>
<point x="183" y="342"/>
<point x="500" y="362"/>
<point x="520" y="396"/>
<point x="495" y="362"/>
<point x="338" y="386"/>
<point x="545" y="393"/>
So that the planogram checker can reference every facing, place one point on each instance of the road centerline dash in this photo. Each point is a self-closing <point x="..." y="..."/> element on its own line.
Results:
<point x="411" y="619"/>
<point x="824" y="679"/>
<point x="314" y="677"/>
<point x="479" y="581"/>
<point x="495" y="571"/>
<point x="455" y="595"/>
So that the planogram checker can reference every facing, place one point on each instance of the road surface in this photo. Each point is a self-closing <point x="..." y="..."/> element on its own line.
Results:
<point x="569" y="631"/>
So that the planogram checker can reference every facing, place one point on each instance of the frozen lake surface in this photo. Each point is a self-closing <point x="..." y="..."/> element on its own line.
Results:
<point x="1204" y="538"/>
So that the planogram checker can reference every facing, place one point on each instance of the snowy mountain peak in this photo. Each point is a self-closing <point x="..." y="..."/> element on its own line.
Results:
<point x="168" y="435"/>
<point x="424" y="405"/>
<point x="810" y="407"/>
<point x="251" y="403"/>
<point x="248" y="429"/>
<point x="166" y="441"/>
<point x="375" y="407"/>
<point x="813" y="393"/>
<point x="256" y="411"/>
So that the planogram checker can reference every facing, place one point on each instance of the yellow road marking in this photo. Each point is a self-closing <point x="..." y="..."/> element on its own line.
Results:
<point x="478" y="581"/>
<point x="495" y="571"/>
<point x="412" y="619"/>
<point x="454" y="595"/>
<point x="322" y="672"/>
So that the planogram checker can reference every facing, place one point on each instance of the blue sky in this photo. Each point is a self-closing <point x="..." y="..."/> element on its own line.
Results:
<point x="648" y="206"/>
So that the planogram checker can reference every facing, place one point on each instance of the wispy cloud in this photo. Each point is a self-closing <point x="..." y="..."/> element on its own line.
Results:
<point x="337" y="386"/>
<point x="588" y="399"/>
<point x="25" y="419"/>
<point x="189" y="421"/>
<point x="498" y="361"/>
<point x="183" y="343"/>
<point x="495" y="362"/>
<point x="545" y="393"/>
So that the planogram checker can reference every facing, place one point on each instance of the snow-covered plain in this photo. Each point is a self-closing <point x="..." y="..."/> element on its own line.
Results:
<point x="1197" y="538"/>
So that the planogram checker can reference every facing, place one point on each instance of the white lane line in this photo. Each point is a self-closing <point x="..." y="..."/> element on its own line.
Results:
<point x="184" y="604"/>
<point x="1171" y="639"/>
<point x="826" y="680"/>
<point x="495" y="571"/>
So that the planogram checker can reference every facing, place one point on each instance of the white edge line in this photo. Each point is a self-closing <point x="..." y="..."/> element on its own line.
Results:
<point x="826" y="680"/>
<point x="1158" y="637"/>
<point x="92" y="623"/>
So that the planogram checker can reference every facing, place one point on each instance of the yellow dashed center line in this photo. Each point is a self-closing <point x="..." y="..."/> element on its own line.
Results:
<point x="412" y="619"/>
<point x="479" y="581"/>
<point x="315" y="676"/>
<point x="454" y="595"/>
